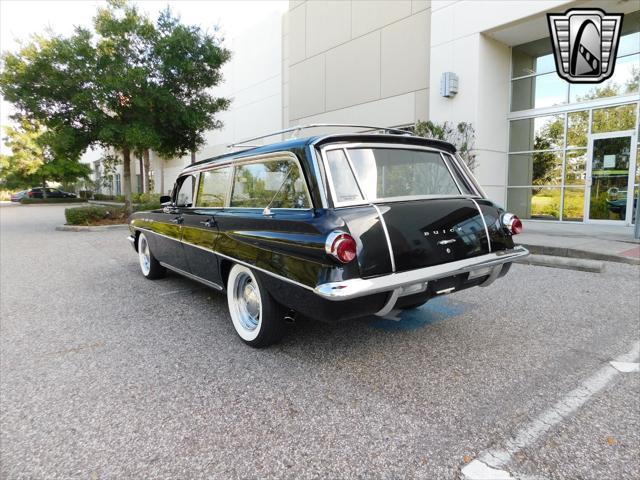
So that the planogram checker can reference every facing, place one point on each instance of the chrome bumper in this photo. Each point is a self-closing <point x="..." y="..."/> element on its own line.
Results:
<point x="132" y="239"/>
<point x="359" y="287"/>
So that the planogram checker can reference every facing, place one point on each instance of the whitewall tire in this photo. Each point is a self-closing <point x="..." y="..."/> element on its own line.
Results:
<point x="149" y="266"/>
<point x="257" y="318"/>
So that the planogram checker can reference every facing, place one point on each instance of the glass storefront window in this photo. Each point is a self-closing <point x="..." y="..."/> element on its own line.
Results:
<point x="614" y="119"/>
<point x="577" y="128"/>
<point x="532" y="58"/>
<point x="573" y="207"/>
<point x="623" y="81"/>
<point x="539" y="91"/>
<point x="540" y="133"/>
<point x="575" y="168"/>
<point x="537" y="168"/>
<point x="539" y="203"/>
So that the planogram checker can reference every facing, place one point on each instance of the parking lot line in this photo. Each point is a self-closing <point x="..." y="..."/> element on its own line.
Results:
<point x="489" y="464"/>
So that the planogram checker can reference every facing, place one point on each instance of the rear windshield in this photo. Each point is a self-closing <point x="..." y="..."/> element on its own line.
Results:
<point x="389" y="173"/>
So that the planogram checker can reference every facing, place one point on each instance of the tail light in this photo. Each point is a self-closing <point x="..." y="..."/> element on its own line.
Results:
<point x="30" y="194"/>
<point x="512" y="223"/>
<point x="341" y="246"/>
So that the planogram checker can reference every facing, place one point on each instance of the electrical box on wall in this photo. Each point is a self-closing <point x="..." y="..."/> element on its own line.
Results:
<point x="448" y="84"/>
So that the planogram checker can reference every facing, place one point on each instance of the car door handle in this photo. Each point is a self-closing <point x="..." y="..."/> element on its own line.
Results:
<point x="177" y="220"/>
<point x="209" y="223"/>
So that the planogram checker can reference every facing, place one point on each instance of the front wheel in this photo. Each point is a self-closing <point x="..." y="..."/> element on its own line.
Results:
<point x="150" y="267"/>
<point x="257" y="318"/>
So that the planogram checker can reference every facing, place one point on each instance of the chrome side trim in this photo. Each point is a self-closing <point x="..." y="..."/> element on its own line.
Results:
<point x="386" y="235"/>
<point x="280" y="277"/>
<point x="358" y="287"/>
<point x="192" y="276"/>
<point x="486" y="229"/>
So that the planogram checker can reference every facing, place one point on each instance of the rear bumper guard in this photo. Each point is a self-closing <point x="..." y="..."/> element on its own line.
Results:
<point x="359" y="287"/>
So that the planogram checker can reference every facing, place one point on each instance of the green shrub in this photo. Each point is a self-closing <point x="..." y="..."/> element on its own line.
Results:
<point x="119" y="198"/>
<point x="28" y="201"/>
<point x="146" y="206"/>
<point x="147" y="198"/>
<point x="102" y="196"/>
<point x="93" y="214"/>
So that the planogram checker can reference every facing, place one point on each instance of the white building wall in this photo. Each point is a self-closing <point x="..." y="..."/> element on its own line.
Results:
<point x="356" y="62"/>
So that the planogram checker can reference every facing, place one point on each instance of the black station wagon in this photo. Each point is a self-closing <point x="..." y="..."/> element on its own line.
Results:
<point x="330" y="227"/>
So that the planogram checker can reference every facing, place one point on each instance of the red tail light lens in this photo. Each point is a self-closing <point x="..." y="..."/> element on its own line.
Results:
<point x="512" y="223"/>
<point x="341" y="246"/>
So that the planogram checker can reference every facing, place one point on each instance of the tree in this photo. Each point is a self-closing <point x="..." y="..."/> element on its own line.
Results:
<point x="462" y="136"/>
<point x="36" y="157"/>
<point x="130" y="85"/>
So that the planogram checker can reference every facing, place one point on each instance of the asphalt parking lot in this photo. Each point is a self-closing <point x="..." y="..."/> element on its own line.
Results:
<point x="104" y="374"/>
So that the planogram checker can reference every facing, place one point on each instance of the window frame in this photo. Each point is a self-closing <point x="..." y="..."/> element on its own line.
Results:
<point x="178" y="185"/>
<point x="234" y="163"/>
<point x="227" y="191"/>
<point x="446" y="159"/>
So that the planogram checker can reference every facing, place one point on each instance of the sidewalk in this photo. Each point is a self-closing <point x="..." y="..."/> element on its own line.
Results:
<point x="596" y="242"/>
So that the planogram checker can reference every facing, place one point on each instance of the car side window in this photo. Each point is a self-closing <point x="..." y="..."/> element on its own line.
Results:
<point x="272" y="183"/>
<point x="213" y="187"/>
<point x="184" y="197"/>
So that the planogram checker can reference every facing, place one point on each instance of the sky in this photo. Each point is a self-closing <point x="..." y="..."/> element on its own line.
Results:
<point x="21" y="18"/>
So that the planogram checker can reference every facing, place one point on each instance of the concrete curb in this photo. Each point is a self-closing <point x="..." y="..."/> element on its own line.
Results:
<point x="580" y="264"/>
<point x="579" y="254"/>
<point x="95" y="228"/>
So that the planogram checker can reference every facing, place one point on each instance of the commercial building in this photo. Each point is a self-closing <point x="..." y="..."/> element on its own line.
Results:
<point x="546" y="149"/>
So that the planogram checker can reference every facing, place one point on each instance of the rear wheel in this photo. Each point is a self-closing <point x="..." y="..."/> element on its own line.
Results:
<point x="150" y="267"/>
<point x="257" y="318"/>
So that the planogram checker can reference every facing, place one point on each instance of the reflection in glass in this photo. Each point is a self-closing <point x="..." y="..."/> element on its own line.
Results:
<point x="629" y="43"/>
<point x="573" y="208"/>
<point x="535" y="203"/>
<point x="610" y="174"/>
<point x="539" y="91"/>
<point x="344" y="183"/>
<point x="575" y="168"/>
<point x="540" y="133"/>
<point x="577" y="128"/>
<point x="533" y="57"/>
<point x="623" y="81"/>
<point x="213" y="187"/>
<point x="538" y="168"/>
<point x="614" y="119"/>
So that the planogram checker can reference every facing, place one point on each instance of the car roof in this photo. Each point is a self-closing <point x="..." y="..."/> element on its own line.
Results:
<point x="321" y="140"/>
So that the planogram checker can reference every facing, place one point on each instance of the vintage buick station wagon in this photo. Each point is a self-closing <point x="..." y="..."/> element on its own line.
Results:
<point x="330" y="227"/>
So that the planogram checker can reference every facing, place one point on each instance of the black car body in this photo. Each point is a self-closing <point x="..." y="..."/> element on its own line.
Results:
<point x="406" y="208"/>
<point x="40" y="192"/>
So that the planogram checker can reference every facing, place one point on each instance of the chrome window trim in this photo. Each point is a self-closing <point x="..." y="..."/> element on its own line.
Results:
<point x="345" y="147"/>
<point x="215" y="252"/>
<point x="320" y="177"/>
<point x="455" y="180"/>
<point x="249" y="159"/>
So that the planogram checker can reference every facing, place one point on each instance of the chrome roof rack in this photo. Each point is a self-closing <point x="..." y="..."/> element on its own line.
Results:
<point x="296" y="129"/>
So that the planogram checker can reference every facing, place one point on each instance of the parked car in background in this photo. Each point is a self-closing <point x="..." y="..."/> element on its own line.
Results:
<point x="331" y="227"/>
<point x="16" y="197"/>
<point x="39" y="192"/>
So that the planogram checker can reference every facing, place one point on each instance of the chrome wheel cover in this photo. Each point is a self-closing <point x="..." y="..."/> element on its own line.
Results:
<point x="245" y="304"/>
<point x="144" y="255"/>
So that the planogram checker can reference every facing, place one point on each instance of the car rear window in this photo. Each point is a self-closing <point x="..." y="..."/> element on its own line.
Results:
<point x="390" y="173"/>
